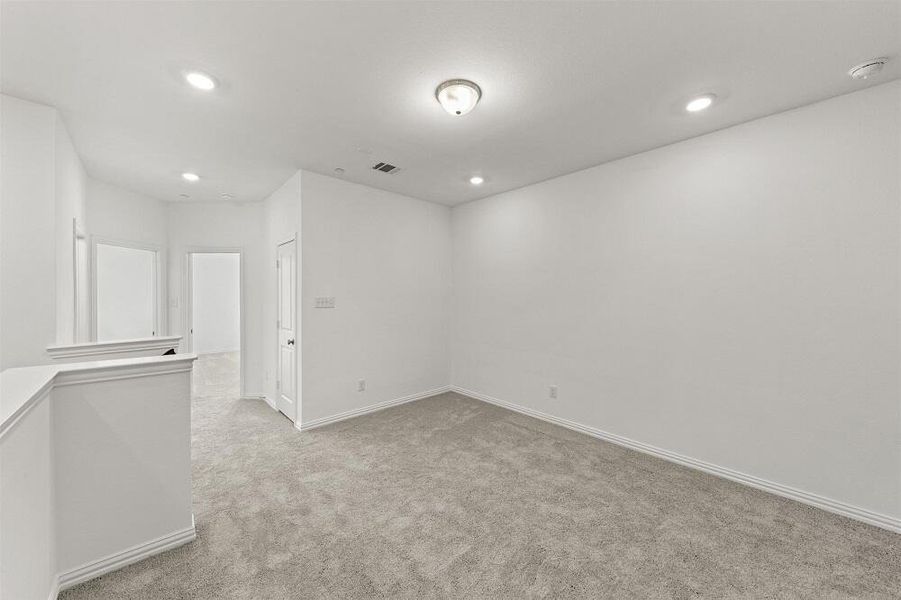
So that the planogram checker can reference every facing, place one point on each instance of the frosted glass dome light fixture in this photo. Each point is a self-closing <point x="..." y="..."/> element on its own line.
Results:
<point x="458" y="96"/>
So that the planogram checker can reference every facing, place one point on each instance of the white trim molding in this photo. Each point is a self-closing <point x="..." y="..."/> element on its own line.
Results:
<point x="54" y="589"/>
<point x="152" y="346"/>
<point x="815" y="500"/>
<point x="127" y="557"/>
<point x="358" y="412"/>
<point x="23" y="388"/>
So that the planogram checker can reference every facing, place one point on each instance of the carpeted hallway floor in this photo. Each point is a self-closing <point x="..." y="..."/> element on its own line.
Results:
<point x="451" y="498"/>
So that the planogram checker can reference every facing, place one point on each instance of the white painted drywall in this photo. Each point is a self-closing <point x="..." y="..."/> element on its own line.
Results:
<point x="27" y="537"/>
<point x="120" y="214"/>
<point x="733" y="298"/>
<point x="84" y="484"/>
<point x="282" y="222"/>
<point x="386" y="260"/>
<point x="203" y="226"/>
<point x="130" y="218"/>
<point x="132" y="483"/>
<point x="70" y="206"/>
<point x="27" y="232"/>
<point x="182" y="227"/>
<point x="216" y="306"/>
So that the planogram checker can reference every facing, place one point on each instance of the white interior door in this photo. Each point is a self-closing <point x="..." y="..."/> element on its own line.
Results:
<point x="126" y="292"/>
<point x="287" y="327"/>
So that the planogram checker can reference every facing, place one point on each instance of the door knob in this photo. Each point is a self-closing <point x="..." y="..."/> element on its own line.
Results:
<point x="291" y="342"/>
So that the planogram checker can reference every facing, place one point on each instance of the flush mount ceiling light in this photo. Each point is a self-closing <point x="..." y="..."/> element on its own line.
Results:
<point x="867" y="69"/>
<point x="476" y="180"/>
<point x="458" y="96"/>
<point x="201" y="81"/>
<point x="700" y="103"/>
<point x="192" y="177"/>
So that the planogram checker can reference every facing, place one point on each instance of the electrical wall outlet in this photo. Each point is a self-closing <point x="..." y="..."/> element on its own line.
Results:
<point x="552" y="392"/>
<point x="361" y="385"/>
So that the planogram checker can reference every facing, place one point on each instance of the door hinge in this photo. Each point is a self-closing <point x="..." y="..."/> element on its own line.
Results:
<point x="278" y="384"/>
<point x="277" y="264"/>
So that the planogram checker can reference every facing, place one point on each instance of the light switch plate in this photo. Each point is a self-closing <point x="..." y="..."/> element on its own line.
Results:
<point x="325" y="302"/>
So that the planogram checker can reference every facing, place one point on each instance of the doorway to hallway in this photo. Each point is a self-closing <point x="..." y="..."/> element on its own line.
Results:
<point x="214" y="322"/>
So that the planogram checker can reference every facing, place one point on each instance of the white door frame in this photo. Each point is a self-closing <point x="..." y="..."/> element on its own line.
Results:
<point x="159" y="274"/>
<point x="81" y="330"/>
<point x="188" y="312"/>
<point x="297" y="325"/>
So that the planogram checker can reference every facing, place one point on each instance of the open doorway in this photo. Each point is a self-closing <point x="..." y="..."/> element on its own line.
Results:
<point x="214" y="323"/>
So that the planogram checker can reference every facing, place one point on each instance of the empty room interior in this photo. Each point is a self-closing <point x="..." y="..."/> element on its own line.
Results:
<point x="450" y="300"/>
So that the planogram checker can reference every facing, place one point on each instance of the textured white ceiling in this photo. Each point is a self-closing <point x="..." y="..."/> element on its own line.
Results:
<point x="308" y="85"/>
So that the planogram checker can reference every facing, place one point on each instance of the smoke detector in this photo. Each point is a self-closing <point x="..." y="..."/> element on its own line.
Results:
<point x="867" y="69"/>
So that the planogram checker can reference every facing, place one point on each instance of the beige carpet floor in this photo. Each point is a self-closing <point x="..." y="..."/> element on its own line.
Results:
<point x="451" y="498"/>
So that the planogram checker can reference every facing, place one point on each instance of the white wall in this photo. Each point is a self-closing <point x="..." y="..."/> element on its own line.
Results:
<point x="282" y="222"/>
<point x="27" y="537"/>
<point x="70" y="206"/>
<point x="84" y="485"/>
<point x="42" y="191"/>
<point x="123" y="216"/>
<point x="216" y="292"/>
<point x="386" y="260"/>
<point x="131" y="484"/>
<point x="28" y="276"/>
<point x="733" y="298"/>
<point x="203" y="226"/>
<point x="120" y="214"/>
<point x="179" y="228"/>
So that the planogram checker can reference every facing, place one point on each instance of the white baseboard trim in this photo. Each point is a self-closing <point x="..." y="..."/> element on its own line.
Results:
<point x="126" y="557"/>
<point x="270" y="402"/>
<point x="821" y="502"/>
<point x="358" y="412"/>
<point x="54" y="589"/>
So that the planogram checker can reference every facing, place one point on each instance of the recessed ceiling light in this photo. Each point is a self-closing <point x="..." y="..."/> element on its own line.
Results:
<point x="458" y="96"/>
<point x="339" y="171"/>
<point x="700" y="103"/>
<point x="226" y="196"/>
<point x="201" y="81"/>
<point x="476" y="180"/>
<point x="185" y="196"/>
<point x="867" y="69"/>
<point x="192" y="177"/>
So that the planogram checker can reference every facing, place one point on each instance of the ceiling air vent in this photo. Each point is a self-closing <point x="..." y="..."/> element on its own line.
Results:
<point x="385" y="167"/>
